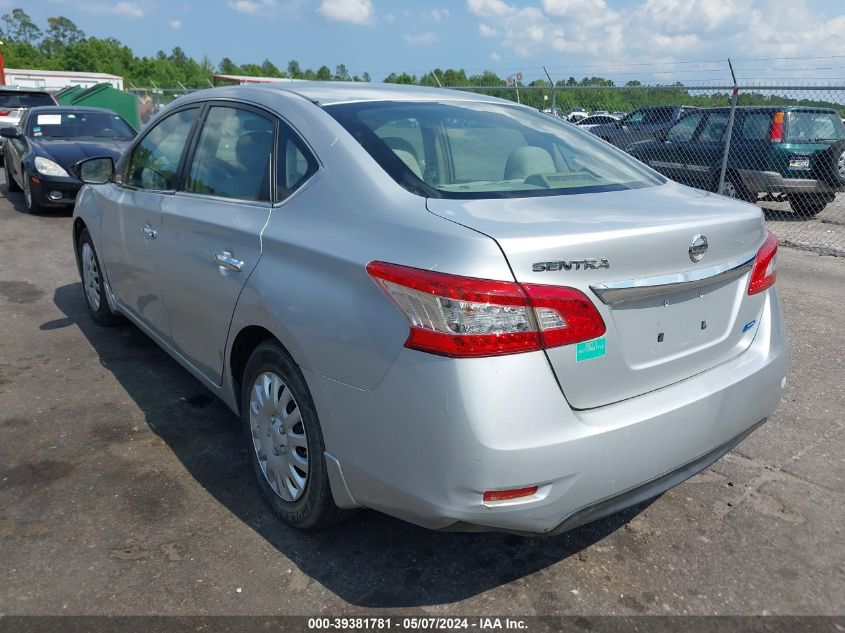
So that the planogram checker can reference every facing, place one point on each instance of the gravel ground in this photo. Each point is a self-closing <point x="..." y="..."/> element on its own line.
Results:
<point x="124" y="489"/>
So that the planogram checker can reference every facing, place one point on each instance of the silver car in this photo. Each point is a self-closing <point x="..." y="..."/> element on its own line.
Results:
<point x="439" y="305"/>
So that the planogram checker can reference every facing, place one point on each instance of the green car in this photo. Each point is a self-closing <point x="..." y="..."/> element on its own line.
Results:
<point x="790" y="152"/>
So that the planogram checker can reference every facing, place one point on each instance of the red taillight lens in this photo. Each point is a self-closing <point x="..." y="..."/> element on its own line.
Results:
<point x="459" y="316"/>
<point x="5" y="112"/>
<point x="765" y="272"/>
<point x="776" y="135"/>
<point x="508" y="495"/>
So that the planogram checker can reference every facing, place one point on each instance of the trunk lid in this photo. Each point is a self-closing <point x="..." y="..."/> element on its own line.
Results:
<point x="668" y="317"/>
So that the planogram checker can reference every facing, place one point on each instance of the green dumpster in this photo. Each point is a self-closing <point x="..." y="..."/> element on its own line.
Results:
<point x="104" y="96"/>
<point x="65" y="95"/>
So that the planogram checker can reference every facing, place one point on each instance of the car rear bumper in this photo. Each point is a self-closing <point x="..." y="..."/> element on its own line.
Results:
<point x="772" y="181"/>
<point x="438" y="432"/>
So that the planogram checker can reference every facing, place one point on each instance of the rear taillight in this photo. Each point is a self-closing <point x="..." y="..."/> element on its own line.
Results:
<point x="5" y="112"/>
<point x="765" y="272"/>
<point x="776" y="135"/>
<point x="458" y="316"/>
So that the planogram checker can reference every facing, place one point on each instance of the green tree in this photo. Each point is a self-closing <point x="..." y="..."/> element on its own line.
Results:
<point x="21" y="27"/>
<point x="228" y="67"/>
<point x="294" y="71"/>
<point x="341" y="73"/>
<point x="324" y="74"/>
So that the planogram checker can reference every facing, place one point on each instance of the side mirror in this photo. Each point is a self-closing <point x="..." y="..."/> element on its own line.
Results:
<point x="9" y="132"/>
<point x="95" y="171"/>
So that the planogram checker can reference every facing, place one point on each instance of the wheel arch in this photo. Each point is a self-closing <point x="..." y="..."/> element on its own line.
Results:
<point x="243" y="345"/>
<point x="78" y="226"/>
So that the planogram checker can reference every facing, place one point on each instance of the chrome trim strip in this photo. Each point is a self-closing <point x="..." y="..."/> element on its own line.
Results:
<point x="619" y="292"/>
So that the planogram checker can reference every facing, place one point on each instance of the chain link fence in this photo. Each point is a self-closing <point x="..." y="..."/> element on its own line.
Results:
<point x="780" y="146"/>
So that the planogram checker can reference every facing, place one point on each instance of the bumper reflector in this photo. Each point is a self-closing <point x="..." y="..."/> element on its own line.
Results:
<point x="508" y="495"/>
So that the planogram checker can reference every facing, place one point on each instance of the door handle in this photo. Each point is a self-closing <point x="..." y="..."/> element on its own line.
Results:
<point x="227" y="261"/>
<point x="149" y="232"/>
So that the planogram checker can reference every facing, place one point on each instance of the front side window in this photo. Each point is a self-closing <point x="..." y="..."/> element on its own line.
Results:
<point x="685" y="128"/>
<point x="485" y="150"/>
<point x="154" y="163"/>
<point x="658" y="116"/>
<point x="232" y="159"/>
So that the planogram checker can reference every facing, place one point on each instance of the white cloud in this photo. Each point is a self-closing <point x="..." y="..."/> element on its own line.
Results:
<point x="352" y="11"/>
<point x="421" y="39"/>
<point x="129" y="9"/>
<point x="495" y="56"/>
<point x="486" y="30"/>
<point x="175" y="24"/>
<point x="390" y="18"/>
<point x="661" y="30"/>
<point x="438" y="15"/>
<point x="253" y="7"/>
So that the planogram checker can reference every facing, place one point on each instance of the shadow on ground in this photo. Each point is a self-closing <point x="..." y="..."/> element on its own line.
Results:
<point x="371" y="560"/>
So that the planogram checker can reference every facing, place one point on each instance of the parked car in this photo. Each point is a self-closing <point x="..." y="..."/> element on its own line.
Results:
<point x="440" y="305"/>
<point x="15" y="101"/>
<point x="787" y="151"/>
<point x="641" y="125"/>
<point x="41" y="153"/>
<point x="593" y="120"/>
<point x="576" y="114"/>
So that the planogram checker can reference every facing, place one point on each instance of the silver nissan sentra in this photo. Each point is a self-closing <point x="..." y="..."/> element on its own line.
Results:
<point x="443" y="306"/>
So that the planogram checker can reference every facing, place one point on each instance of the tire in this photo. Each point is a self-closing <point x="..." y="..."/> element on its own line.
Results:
<point x="734" y="188"/>
<point x="808" y="205"/>
<point x="32" y="205"/>
<point x="93" y="289"/>
<point x="285" y="442"/>
<point x="830" y="165"/>
<point x="11" y="185"/>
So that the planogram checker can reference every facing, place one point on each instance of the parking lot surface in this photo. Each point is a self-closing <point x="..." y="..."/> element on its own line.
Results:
<point x="125" y="489"/>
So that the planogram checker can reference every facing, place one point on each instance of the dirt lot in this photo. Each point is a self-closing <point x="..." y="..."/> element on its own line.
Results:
<point x="124" y="489"/>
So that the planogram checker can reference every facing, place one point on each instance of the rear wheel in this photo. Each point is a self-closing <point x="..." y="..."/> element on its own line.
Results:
<point x="285" y="441"/>
<point x="93" y="286"/>
<point x="808" y="204"/>
<point x="11" y="185"/>
<point x="734" y="188"/>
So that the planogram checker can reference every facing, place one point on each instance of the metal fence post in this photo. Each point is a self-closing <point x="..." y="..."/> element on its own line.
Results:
<point x="721" y="188"/>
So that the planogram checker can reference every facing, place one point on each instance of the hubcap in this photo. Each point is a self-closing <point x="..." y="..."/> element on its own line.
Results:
<point x="278" y="436"/>
<point x="841" y="165"/>
<point x="90" y="277"/>
<point x="729" y="190"/>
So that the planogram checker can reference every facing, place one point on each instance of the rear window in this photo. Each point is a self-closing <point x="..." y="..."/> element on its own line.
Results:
<point x="814" y="127"/>
<point x="25" y="99"/>
<point x="58" y="124"/>
<point x="486" y="150"/>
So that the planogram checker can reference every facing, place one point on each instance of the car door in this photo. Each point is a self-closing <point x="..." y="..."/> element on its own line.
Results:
<point x="132" y="208"/>
<point x="211" y="239"/>
<point x="704" y="152"/>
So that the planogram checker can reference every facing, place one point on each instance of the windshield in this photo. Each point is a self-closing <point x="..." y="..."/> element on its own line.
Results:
<point x="25" y="99"/>
<point x="486" y="150"/>
<point x="58" y="124"/>
<point x="809" y="127"/>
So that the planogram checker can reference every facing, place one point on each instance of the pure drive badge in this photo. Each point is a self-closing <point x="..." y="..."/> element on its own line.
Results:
<point x="571" y="264"/>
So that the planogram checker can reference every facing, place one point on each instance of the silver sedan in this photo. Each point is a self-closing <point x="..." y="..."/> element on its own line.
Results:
<point x="443" y="306"/>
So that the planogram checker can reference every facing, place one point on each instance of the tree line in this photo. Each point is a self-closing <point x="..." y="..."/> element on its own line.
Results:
<point x="62" y="45"/>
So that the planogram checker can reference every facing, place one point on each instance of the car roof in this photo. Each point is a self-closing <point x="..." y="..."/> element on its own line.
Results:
<point x="333" y="92"/>
<point x="39" y="91"/>
<point x="768" y="108"/>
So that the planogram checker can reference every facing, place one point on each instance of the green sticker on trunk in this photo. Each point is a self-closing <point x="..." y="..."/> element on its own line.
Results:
<point x="590" y="349"/>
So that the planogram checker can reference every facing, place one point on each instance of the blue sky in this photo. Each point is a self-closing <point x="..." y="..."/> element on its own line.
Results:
<point x="643" y="39"/>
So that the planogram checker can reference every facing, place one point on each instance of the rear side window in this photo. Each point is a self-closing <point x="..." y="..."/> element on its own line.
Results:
<point x="814" y="127"/>
<point x="296" y="164"/>
<point x="757" y="126"/>
<point x="154" y="163"/>
<point x="232" y="159"/>
<point x="685" y="128"/>
<point x="714" y="128"/>
<point x="25" y="99"/>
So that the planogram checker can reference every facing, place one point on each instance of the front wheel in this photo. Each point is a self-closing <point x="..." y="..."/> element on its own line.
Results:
<point x="92" y="282"/>
<point x="32" y="205"/>
<point x="285" y="441"/>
